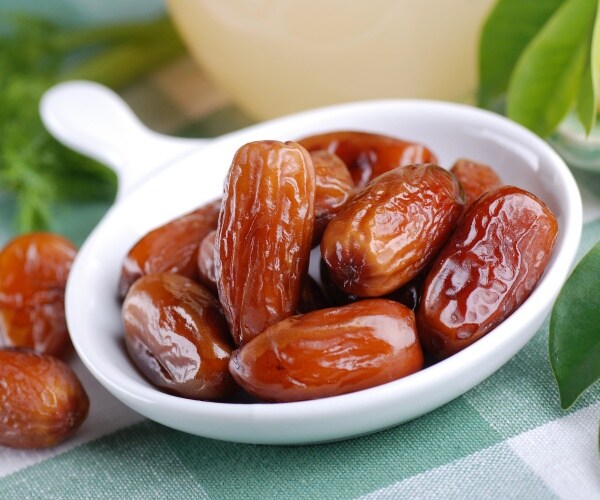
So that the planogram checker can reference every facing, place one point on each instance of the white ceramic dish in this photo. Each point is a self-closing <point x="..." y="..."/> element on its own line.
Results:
<point x="450" y="130"/>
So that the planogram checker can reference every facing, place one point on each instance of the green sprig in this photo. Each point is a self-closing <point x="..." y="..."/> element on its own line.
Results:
<point x="34" y="55"/>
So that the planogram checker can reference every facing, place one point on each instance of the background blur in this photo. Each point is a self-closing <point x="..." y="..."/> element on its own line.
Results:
<point x="253" y="60"/>
<point x="86" y="12"/>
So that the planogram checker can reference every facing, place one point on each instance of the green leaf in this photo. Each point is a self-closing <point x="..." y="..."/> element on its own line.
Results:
<point x="574" y="341"/>
<point x="587" y="100"/>
<point x="547" y="78"/>
<point x="510" y="27"/>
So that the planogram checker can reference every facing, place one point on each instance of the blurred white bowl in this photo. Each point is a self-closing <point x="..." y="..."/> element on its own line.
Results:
<point x="275" y="57"/>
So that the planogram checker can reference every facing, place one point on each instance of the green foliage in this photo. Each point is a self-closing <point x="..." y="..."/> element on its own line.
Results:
<point x="510" y="27"/>
<point x="575" y="330"/>
<point x="543" y="58"/>
<point x="588" y="95"/>
<point x="34" y="55"/>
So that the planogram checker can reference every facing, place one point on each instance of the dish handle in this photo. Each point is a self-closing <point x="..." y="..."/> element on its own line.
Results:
<point x="93" y="120"/>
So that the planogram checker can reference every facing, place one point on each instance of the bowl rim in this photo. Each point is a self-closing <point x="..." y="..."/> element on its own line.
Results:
<point x="140" y="396"/>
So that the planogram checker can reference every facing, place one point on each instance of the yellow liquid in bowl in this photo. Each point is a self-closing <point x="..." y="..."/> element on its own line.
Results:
<point x="274" y="57"/>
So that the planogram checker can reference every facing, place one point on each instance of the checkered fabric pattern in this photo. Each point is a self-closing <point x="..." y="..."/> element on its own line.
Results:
<point x="506" y="438"/>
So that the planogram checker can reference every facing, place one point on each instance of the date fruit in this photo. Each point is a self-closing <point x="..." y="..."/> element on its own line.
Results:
<point x="330" y="352"/>
<point x="391" y="229"/>
<point x="334" y="188"/>
<point x="33" y="274"/>
<point x="206" y="262"/>
<point x="170" y="248"/>
<point x="488" y="268"/>
<point x="43" y="402"/>
<point x="176" y="334"/>
<point x="264" y="235"/>
<point x="368" y="155"/>
<point x="475" y="178"/>
<point x="311" y="298"/>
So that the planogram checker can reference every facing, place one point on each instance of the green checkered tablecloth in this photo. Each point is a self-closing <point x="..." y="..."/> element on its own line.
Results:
<point x="506" y="438"/>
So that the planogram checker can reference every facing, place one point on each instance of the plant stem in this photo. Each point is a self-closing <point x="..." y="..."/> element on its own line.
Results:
<point x="72" y="40"/>
<point x="119" y="66"/>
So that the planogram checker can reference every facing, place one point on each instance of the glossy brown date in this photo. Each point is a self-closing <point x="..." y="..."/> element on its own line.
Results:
<point x="334" y="188"/>
<point x="33" y="274"/>
<point x="391" y="229"/>
<point x="176" y="334"/>
<point x="170" y="248"/>
<point x="475" y="178"/>
<point x="206" y="262"/>
<point x="312" y="296"/>
<point x="43" y="402"/>
<point x="264" y="235"/>
<point x="330" y="352"/>
<point x="368" y="155"/>
<point x="488" y="268"/>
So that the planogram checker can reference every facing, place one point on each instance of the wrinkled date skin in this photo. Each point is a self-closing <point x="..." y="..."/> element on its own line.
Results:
<point x="368" y="155"/>
<point x="334" y="188"/>
<point x="330" y="352"/>
<point x="43" y="402"/>
<point x="206" y="262"/>
<point x="312" y="296"/>
<point x="177" y="336"/>
<point x="488" y="268"/>
<point x="391" y="229"/>
<point x="475" y="178"/>
<point x="33" y="274"/>
<point x="170" y="248"/>
<point x="264" y="235"/>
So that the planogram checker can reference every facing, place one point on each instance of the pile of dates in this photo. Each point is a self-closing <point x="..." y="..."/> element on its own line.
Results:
<point x="416" y="263"/>
<point x="42" y="402"/>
